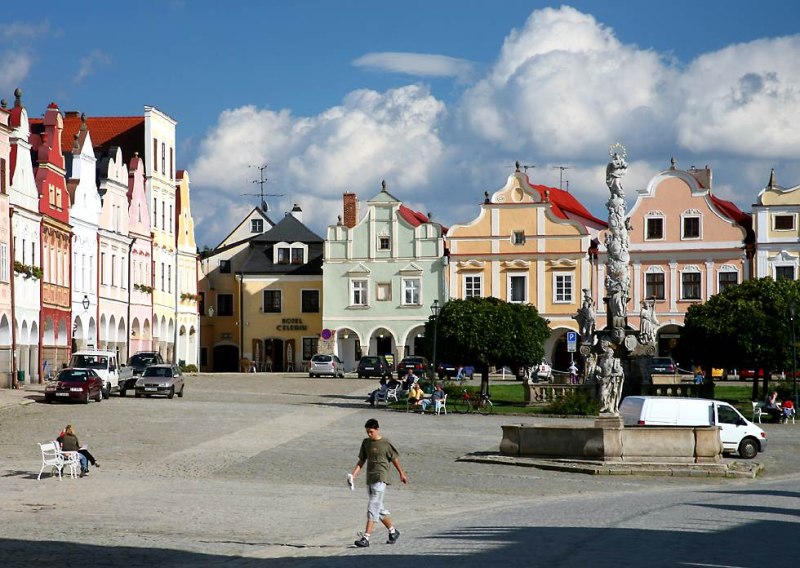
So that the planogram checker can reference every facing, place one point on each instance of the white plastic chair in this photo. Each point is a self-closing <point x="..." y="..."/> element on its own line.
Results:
<point x="789" y="416"/>
<point x="440" y="404"/>
<point x="55" y="459"/>
<point x="391" y="394"/>
<point x="758" y="411"/>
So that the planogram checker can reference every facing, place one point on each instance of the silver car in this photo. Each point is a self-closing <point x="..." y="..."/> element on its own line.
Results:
<point x="166" y="380"/>
<point x="326" y="365"/>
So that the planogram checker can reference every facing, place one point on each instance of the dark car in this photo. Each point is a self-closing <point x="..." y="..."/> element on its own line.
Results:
<point x="450" y="371"/>
<point x="374" y="366"/>
<point x="664" y="365"/>
<point x="419" y="365"/>
<point x="138" y="363"/>
<point x="164" y="380"/>
<point x="75" y="384"/>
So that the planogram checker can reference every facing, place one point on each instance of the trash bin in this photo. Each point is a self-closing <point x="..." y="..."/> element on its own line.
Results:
<point x="20" y="376"/>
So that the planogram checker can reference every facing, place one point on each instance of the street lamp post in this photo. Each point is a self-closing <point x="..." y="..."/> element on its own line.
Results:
<point x="792" y="310"/>
<point x="435" y="309"/>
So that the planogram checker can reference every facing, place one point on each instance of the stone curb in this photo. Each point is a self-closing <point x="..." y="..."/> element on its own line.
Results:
<point x="736" y="470"/>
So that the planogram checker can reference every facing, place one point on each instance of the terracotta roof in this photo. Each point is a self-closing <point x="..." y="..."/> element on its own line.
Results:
<point x="415" y="218"/>
<point x="733" y="212"/>
<point x="105" y="131"/>
<point x="564" y="204"/>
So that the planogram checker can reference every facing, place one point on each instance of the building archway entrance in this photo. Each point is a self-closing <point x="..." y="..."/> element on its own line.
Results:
<point x="226" y="359"/>
<point x="273" y="350"/>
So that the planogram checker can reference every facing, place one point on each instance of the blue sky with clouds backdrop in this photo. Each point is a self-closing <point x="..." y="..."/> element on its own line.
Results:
<point x="437" y="97"/>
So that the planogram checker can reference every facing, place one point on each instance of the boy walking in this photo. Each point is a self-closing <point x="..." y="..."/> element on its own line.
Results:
<point x="377" y="452"/>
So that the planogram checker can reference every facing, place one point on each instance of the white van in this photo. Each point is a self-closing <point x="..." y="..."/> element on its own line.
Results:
<point x="736" y="432"/>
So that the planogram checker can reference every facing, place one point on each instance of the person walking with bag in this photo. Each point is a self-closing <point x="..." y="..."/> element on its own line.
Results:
<point x="378" y="453"/>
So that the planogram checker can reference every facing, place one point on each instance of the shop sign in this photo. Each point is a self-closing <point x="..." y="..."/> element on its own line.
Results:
<point x="291" y="324"/>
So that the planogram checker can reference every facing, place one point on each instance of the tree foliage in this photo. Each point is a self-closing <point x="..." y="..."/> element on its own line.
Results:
<point x="486" y="332"/>
<point x="745" y="326"/>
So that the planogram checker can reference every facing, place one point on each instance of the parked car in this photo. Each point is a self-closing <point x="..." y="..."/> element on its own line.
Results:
<point x="664" y="365"/>
<point x="75" y="384"/>
<point x="105" y="364"/>
<point x="138" y="362"/>
<point x="374" y="366"/>
<point x="750" y="373"/>
<point x="419" y="365"/>
<point x="324" y="364"/>
<point x="164" y="380"/>
<point x="449" y="370"/>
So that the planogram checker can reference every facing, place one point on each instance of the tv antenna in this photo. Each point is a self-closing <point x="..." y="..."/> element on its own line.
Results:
<point x="261" y="182"/>
<point x="524" y="167"/>
<point x="561" y="181"/>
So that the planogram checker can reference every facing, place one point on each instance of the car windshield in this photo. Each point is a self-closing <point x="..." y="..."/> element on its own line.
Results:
<point x="322" y="358"/>
<point x="413" y="360"/>
<point x="158" y="372"/>
<point x="74" y="376"/>
<point x="90" y="361"/>
<point x="370" y="360"/>
<point x="141" y="359"/>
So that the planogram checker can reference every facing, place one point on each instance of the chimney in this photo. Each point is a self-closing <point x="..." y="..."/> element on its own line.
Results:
<point x="297" y="213"/>
<point x="350" y="206"/>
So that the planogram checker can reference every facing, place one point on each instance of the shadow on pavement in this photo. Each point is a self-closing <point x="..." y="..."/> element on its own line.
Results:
<point x="710" y="542"/>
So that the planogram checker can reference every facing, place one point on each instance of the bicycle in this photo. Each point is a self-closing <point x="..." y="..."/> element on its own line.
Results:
<point x="479" y="402"/>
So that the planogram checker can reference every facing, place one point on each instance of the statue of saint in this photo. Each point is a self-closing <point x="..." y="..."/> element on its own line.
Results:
<point x="609" y="377"/>
<point x="648" y="322"/>
<point x="586" y="317"/>
<point x="615" y="169"/>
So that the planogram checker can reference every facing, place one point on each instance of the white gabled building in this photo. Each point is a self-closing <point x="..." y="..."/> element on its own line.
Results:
<point x="776" y="222"/>
<point x="84" y="216"/>
<point x="25" y="228"/>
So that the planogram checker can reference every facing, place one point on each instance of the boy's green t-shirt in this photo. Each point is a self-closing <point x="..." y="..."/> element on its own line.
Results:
<point x="379" y="455"/>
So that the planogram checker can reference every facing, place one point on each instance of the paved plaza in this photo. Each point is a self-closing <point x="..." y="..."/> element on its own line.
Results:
<point x="249" y="470"/>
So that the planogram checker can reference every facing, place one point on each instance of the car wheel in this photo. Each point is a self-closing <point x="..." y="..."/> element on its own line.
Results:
<point x="171" y="393"/>
<point x="137" y="395"/>
<point x="748" y="449"/>
<point x="122" y="392"/>
<point x="99" y="397"/>
<point x="86" y="398"/>
<point x="106" y="390"/>
<point x="311" y="375"/>
<point x="48" y="399"/>
<point x="180" y="394"/>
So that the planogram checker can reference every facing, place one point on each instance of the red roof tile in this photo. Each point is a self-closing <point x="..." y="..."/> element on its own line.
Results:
<point x="415" y="218"/>
<point x="105" y="131"/>
<point x="564" y="204"/>
<point x="733" y="212"/>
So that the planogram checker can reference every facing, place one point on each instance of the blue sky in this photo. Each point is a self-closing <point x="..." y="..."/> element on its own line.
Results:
<point x="437" y="97"/>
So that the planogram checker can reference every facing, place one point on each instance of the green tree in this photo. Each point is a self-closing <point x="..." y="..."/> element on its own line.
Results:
<point x="487" y="332"/>
<point x="745" y="326"/>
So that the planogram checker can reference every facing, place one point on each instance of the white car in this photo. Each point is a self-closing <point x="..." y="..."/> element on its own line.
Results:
<point x="323" y="364"/>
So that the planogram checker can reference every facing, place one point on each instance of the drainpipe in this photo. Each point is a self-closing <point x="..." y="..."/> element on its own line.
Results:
<point x="130" y="286"/>
<point x="175" y="303"/>
<point x="241" y="315"/>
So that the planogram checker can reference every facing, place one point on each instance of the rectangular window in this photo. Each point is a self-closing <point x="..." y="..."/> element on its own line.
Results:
<point x="726" y="280"/>
<point x="155" y="155"/>
<point x="5" y="271"/>
<point x="155" y="211"/>
<point x="383" y="291"/>
<point x="297" y="256"/>
<point x="654" y="285"/>
<point x="310" y="301"/>
<point x="784" y="222"/>
<point x="563" y="288"/>
<point x="204" y="356"/>
<point x="517" y="289"/>
<point x="654" y="227"/>
<point x="272" y="301"/>
<point x="691" y="227"/>
<point x="124" y="270"/>
<point x="256" y="225"/>
<point x="224" y="304"/>
<point x="113" y="270"/>
<point x="225" y="266"/>
<point x="518" y="238"/>
<point x="358" y="292"/>
<point x="690" y="285"/>
<point x="472" y="286"/>
<point x="283" y="255"/>
<point x="58" y="198"/>
<point x="171" y="222"/>
<point x="162" y="276"/>
<point x="784" y="272"/>
<point x="384" y="243"/>
<point x="163" y="158"/>
<point x="2" y="175"/>
<point x="201" y="304"/>
<point x="310" y="346"/>
<point x="411" y="288"/>
<point x="169" y="278"/>
<point x="102" y="268"/>
<point x="171" y="162"/>
<point x="163" y="215"/>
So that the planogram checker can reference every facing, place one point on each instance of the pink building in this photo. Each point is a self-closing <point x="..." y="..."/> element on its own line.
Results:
<point x="141" y="260"/>
<point x="685" y="246"/>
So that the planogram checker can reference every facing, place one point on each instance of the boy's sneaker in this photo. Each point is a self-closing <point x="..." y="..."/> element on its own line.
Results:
<point x="363" y="542"/>
<point x="393" y="536"/>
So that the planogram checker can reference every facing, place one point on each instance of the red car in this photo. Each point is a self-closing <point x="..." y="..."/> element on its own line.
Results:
<point x="750" y="373"/>
<point x="75" y="384"/>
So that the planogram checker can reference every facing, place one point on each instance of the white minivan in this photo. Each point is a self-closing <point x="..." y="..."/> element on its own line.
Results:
<point x="737" y="433"/>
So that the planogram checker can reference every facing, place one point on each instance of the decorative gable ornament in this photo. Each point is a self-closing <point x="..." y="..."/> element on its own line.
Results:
<point x="471" y="264"/>
<point x="411" y="268"/>
<point x="563" y="262"/>
<point x="517" y="263"/>
<point x="359" y="269"/>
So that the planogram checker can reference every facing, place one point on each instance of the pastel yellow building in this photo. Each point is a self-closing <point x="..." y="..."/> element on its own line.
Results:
<point x="529" y="244"/>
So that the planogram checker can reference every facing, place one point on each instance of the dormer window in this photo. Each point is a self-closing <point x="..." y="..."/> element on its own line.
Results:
<point x="384" y="243"/>
<point x="283" y="255"/>
<point x="297" y="256"/>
